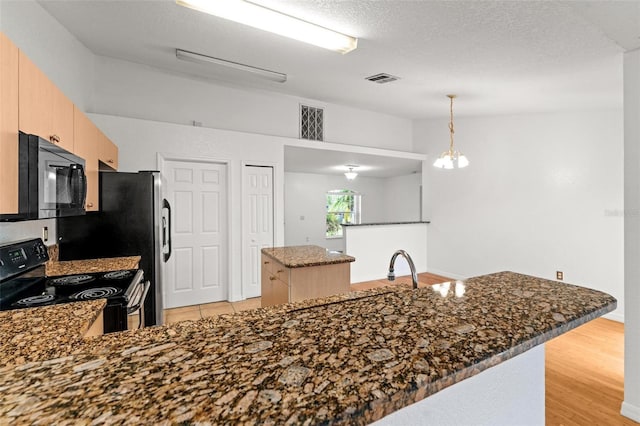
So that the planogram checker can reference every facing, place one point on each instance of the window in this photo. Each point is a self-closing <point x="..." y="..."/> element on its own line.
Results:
<point x="343" y="206"/>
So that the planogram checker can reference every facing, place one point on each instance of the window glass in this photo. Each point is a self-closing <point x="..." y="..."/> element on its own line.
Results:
<point x="343" y="206"/>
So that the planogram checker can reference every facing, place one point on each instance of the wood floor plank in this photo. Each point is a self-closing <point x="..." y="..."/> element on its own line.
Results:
<point x="585" y="376"/>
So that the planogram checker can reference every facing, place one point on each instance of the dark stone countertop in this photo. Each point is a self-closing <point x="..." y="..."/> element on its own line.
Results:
<point x="303" y="256"/>
<point x="386" y="223"/>
<point x="347" y="359"/>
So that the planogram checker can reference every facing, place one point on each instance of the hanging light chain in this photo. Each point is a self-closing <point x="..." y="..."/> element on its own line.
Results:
<point x="451" y="158"/>
<point x="451" y="130"/>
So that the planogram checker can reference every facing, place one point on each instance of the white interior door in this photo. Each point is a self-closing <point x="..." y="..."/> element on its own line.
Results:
<point x="257" y="224"/>
<point x="197" y="271"/>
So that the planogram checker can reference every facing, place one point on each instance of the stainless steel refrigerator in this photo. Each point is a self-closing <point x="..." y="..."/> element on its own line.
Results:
<point x="133" y="220"/>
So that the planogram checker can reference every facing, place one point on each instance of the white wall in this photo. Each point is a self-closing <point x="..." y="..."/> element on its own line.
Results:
<point x="392" y="199"/>
<point x="402" y="198"/>
<point x="631" y="404"/>
<point x="305" y="196"/>
<point x="132" y="90"/>
<point x="15" y="231"/>
<point x="373" y="247"/>
<point x="141" y="140"/>
<point x="543" y="193"/>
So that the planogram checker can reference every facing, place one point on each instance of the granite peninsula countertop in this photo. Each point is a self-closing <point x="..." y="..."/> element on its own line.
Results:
<point x="46" y="332"/>
<point x="387" y="223"/>
<point x="346" y="359"/>
<point x="70" y="267"/>
<point x="303" y="256"/>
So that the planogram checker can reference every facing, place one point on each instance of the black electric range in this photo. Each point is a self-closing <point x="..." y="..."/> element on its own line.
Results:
<point x="23" y="284"/>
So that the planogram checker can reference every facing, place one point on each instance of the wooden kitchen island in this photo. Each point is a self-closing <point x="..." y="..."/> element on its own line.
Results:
<point x="295" y="273"/>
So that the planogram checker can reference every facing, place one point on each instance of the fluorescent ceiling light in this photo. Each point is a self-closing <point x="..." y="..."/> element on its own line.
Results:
<point x="270" y="20"/>
<point x="204" y="59"/>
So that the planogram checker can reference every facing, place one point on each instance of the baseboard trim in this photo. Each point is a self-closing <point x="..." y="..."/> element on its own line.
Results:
<point x="630" y="411"/>
<point x="615" y="316"/>
<point x="446" y="274"/>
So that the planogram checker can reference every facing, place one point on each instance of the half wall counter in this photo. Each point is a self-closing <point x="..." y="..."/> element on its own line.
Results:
<point x="373" y="244"/>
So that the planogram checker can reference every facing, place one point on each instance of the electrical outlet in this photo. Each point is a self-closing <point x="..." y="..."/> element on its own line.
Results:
<point x="559" y="275"/>
<point x="45" y="234"/>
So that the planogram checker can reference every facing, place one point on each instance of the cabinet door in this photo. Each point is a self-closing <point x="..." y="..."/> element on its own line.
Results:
<point x="273" y="290"/>
<point x="62" y="129"/>
<point x="8" y="126"/>
<point x="86" y="146"/>
<point x="35" y="99"/>
<point x="107" y="151"/>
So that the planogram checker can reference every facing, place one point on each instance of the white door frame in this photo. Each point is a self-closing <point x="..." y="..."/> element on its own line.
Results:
<point x="161" y="159"/>
<point x="276" y="182"/>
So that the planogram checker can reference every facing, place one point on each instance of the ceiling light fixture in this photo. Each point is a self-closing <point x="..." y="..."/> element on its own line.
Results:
<point x="204" y="59"/>
<point x="260" y="17"/>
<point x="351" y="175"/>
<point x="451" y="158"/>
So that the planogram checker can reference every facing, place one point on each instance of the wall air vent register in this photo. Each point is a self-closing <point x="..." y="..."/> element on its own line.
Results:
<point x="311" y="123"/>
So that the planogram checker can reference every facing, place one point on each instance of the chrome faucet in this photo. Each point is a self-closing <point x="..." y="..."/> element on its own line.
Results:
<point x="414" y="276"/>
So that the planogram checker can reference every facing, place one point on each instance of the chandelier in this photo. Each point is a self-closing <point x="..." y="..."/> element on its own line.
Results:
<point x="451" y="158"/>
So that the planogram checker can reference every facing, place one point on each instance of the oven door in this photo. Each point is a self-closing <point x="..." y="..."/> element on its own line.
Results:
<point x="62" y="183"/>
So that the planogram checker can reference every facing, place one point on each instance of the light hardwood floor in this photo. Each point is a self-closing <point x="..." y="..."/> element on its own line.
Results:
<point x="585" y="376"/>
<point x="584" y="367"/>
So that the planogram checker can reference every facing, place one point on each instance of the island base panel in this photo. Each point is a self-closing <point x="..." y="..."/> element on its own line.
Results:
<point x="319" y="281"/>
<point x="280" y="284"/>
<point x="510" y="393"/>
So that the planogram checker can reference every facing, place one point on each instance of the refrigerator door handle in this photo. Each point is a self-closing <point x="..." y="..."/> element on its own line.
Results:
<point x="166" y="229"/>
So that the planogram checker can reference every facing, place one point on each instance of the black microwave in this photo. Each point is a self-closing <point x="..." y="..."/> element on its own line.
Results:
<point x="51" y="181"/>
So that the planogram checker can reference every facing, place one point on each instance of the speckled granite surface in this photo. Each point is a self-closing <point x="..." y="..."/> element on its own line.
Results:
<point x="71" y="267"/>
<point x="301" y="256"/>
<point x="348" y="359"/>
<point x="46" y="332"/>
<point x="386" y="223"/>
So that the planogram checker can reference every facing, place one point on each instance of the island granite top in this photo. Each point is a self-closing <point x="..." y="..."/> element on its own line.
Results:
<point x="303" y="256"/>
<point x="347" y="359"/>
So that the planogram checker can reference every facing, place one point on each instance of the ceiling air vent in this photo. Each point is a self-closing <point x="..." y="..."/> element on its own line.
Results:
<point x="382" y="78"/>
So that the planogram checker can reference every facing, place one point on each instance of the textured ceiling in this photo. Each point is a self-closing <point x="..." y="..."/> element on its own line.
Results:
<point x="498" y="56"/>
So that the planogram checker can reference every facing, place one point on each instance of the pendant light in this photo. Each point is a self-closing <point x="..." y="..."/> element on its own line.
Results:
<point x="351" y="175"/>
<point x="451" y="159"/>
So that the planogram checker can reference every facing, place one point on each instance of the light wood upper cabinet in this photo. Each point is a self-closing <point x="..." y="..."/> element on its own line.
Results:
<point x="8" y="126"/>
<point x="30" y="102"/>
<point x="86" y="146"/>
<point x="35" y="99"/>
<point x="62" y="130"/>
<point x="107" y="151"/>
<point x="43" y="109"/>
